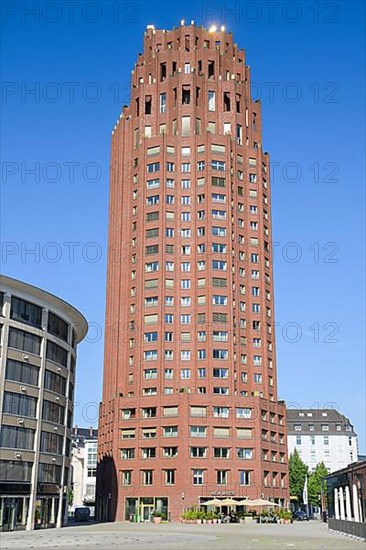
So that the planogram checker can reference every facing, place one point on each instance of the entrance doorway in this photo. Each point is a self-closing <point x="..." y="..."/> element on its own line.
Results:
<point x="146" y="508"/>
<point x="146" y="511"/>
<point x="13" y="513"/>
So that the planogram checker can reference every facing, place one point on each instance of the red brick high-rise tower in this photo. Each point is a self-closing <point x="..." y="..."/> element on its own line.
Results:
<point x="190" y="407"/>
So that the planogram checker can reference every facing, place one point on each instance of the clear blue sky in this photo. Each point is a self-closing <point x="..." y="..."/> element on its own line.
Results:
<point x="307" y="62"/>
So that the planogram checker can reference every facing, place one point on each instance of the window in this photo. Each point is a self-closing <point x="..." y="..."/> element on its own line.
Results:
<point x="148" y="452"/>
<point x="201" y="373"/>
<point x="163" y="103"/>
<point x="49" y="473"/>
<point x="220" y="373"/>
<point x="153" y="167"/>
<point x="185" y="374"/>
<point x="244" y="477"/>
<point x="218" y="165"/>
<point x="219" y="265"/>
<point x="126" y="477"/>
<point x="151" y="266"/>
<point x="170" y="452"/>
<point x="218" y="214"/>
<point x="21" y="372"/>
<point x="170" y="431"/>
<point x="149" y="391"/>
<point x="222" y="477"/>
<point x="245" y="454"/>
<point x="150" y="374"/>
<point x="221" y="452"/>
<point x="147" y="477"/>
<point x="168" y="374"/>
<point x="221" y="412"/>
<point x="200" y="165"/>
<point x="243" y="412"/>
<point x="150" y="355"/>
<point x="211" y="100"/>
<point x="152" y="184"/>
<point x="198" y="452"/>
<point x="26" y="312"/>
<point x="197" y="477"/>
<point x="128" y="434"/>
<point x="19" y="339"/>
<point x="186" y="125"/>
<point x="219" y="300"/>
<point x="148" y="412"/>
<point x="218" y="197"/>
<point x="54" y="382"/>
<point x="127" y="454"/>
<point x="220" y="354"/>
<point x="239" y="134"/>
<point x="201" y="354"/>
<point x="221" y="391"/>
<point x="169" y="477"/>
<point x="57" y="326"/>
<point x="56" y="353"/>
<point x="13" y="437"/>
<point x="52" y="412"/>
<point x="51" y="443"/>
<point x="170" y="166"/>
<point x="198" y="431"/>
<point x="244" y="433"/>
<point x="219" y="231"/>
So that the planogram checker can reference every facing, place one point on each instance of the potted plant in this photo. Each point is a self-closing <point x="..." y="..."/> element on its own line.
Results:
<point x="157" y="516"/>
<point x="215" y="517"/>
<point x="285" y="516"/>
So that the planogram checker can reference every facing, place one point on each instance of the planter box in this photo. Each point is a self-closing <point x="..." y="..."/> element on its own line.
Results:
<point x="199" y="521"/>
<point x="249" y="519"/>
<point x="157" y="519"/>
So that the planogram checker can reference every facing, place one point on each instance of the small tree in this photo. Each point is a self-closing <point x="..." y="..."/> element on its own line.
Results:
<point x="297" y="474"/>
<point x="317" y="484"/>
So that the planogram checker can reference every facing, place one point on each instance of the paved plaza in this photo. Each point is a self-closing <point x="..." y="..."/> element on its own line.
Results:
<point x="311" y="535"/>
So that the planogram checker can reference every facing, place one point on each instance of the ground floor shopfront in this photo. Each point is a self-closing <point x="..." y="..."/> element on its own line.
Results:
<point x="141" y="509"/>
<point x="15" y="507"/>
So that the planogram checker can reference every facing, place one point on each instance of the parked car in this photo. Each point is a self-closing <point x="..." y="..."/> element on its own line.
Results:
<point x="300" y="515"/>
<point x="82" y="513"/>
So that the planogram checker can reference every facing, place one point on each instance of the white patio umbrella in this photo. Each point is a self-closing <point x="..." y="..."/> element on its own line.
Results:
<point x="212" y="502"/>
<point x="229" y="502"/>
<point x="262" y="503"/>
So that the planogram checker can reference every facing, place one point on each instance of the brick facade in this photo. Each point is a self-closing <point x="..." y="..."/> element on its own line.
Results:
<point x="190" y="344"/>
